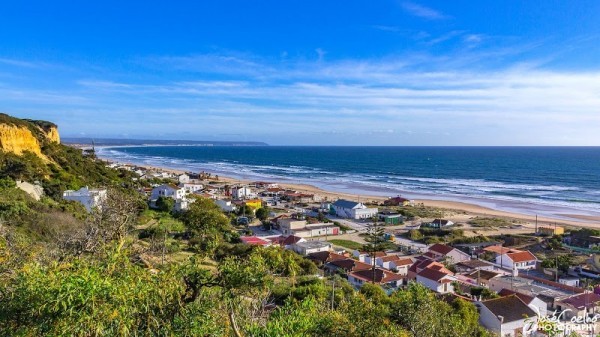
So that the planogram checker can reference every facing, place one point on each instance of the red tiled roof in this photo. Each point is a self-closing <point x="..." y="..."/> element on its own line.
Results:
<point x="404" y="262"/>
<point x="419" y="265"/>
<point x="390" y="258"/>
<point x="253" y="240"/>
<point x="433" y="274"/>
<point x="440" y="248"/>
<point x="381" y="275"/>
<point x="291" y="240"/>
<point x="521" y="256"/>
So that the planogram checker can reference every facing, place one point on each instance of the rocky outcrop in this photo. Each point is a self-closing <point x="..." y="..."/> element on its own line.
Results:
<point x="18" y="135"/>
<point x="52" y="134"/>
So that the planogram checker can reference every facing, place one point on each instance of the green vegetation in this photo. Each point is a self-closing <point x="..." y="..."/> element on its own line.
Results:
<point x="433" y="235"/>
<point x="347" y="244"/>
<point x="343" y="228"/>
<point x="263" y="213"/>
<point x="124" y="270"/>
<point x="165" y="204"/>
<point x="421" y="211"/>
<point x="563" y="262"/>
<point x="490" y="222"/>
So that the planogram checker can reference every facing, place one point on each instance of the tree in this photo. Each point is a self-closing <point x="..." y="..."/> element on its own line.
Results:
<point x="262" y="213"/>
<point x="375" y="242"/>
<point x="111" y="221"/>
<point x="563" y="261"/>
<point x="415" y="235"/>
<point x="165" y="204"/>
<point x="207" y="225"/>
<point x="245" y="210"/>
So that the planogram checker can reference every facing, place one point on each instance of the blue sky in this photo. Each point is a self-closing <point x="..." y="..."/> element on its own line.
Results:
<point x="307" y="72"/>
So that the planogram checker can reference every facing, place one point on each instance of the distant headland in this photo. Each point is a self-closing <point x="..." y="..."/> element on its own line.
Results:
<point x="86" y="141"/>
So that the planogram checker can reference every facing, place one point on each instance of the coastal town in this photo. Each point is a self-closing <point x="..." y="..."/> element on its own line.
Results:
<point x="531" y="275"/>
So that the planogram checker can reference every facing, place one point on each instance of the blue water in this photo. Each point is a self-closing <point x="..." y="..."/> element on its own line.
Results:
<point x="530" y="180"/>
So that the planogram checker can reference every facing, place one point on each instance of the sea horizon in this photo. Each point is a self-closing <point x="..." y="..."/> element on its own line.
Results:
<point x="560" y="185"/>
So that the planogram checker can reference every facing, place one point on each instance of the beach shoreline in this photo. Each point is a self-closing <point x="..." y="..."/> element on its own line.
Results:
<point x="470" y="210"/>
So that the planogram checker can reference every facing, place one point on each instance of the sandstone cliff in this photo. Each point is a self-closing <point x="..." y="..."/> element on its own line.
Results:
<point x="19" y="135"/>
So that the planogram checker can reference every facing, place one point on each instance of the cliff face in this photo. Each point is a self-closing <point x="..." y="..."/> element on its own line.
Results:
<point x="18" y="136"/>
<point x="52" y="134"/>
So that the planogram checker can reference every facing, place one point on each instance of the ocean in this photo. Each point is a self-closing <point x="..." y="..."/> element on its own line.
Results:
<point x="549" y="181"/>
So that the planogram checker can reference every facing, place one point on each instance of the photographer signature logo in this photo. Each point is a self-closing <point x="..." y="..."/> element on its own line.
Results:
<point x="557" y="322"/>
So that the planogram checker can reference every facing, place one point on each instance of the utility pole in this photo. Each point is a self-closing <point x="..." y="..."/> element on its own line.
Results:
<point x="332" y="291"/>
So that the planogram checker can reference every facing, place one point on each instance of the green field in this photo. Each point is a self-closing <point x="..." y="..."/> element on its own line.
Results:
<point x="347" y="244"/>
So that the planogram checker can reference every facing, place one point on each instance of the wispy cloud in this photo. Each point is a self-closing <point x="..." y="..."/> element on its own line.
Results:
<point x="295" y="99"/>
<point x="422" y="11"/>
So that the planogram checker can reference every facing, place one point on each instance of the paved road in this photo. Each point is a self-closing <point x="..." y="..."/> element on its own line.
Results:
<point x="358" y="226"/>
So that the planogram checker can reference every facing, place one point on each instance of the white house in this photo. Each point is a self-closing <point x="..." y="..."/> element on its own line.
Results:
<point x="507" y="316"/>
<point x="169" y="191"/>
<point x="394" y="262"/>
<point x="520" y="260"/>
<point x="242" y="193"/>
<point x="226" y="205"/>
<point x="451" y="255"/>
<point x="309" y="247"/>
<point x="365" y="257"/>
<point x="437" y="280"/>
<point x="89" y="198"/>
<point x="353" y="210"/>
<point x="191" y="187"/>
<point x="183" y="178"/>
<point x="440" y="223"/>
<point x="301" y="228"/>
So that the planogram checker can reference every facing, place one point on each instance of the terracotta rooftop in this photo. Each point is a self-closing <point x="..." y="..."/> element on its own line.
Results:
<point x="253" y="240"/>
<point x="522" y="256"/>
<point x="404" y="262"/>
<point x="440" y="248"/>
<point x="390" y="258"/>
<point x="433" y="274"/>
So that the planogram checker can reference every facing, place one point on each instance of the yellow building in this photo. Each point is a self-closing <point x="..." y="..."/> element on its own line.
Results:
<point x="551" y="230"/>
<point x="254" y="203"/>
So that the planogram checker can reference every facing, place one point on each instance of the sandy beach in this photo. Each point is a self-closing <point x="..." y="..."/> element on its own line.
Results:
<point x="459" y="211"/>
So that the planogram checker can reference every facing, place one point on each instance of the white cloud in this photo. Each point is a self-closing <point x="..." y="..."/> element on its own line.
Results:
<point x="299" y="99"/>
<point x="422" y="11"/>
